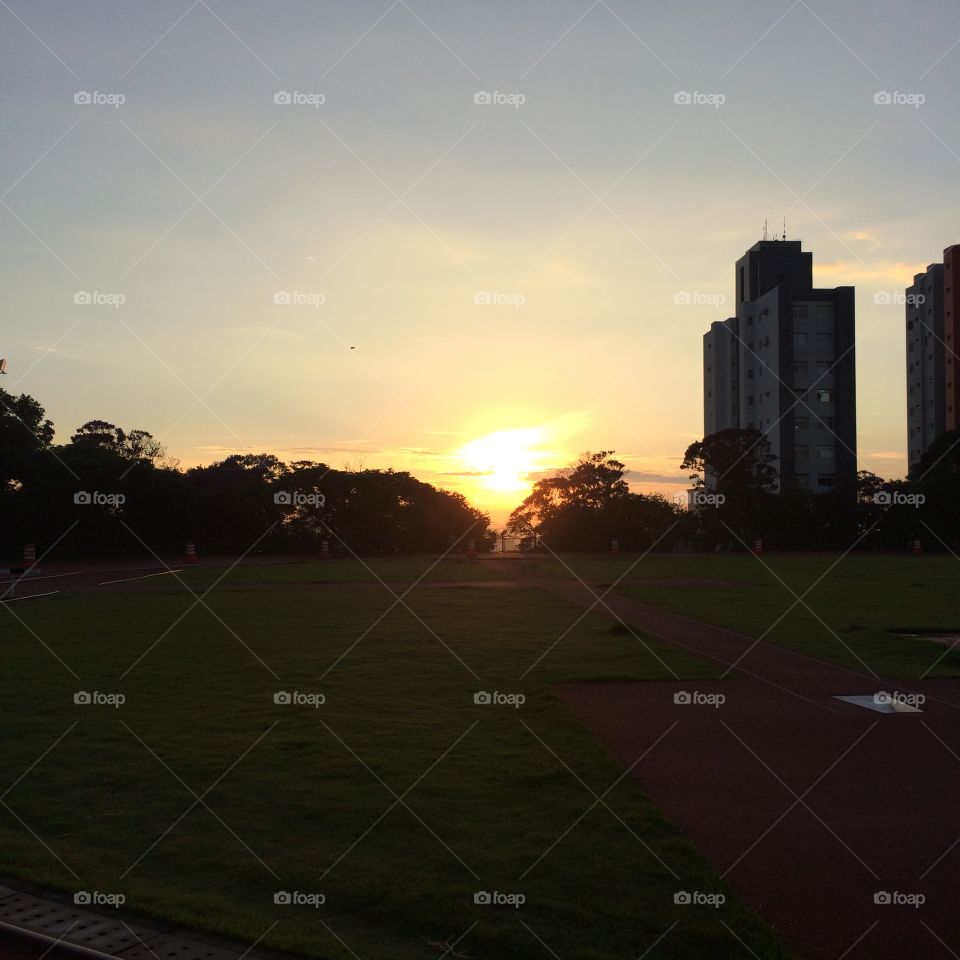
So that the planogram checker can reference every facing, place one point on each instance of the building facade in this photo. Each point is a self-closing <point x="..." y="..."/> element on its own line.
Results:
<point x="951" y="334"/>
<point x="933" y="365"/>
<point x="926" y="368"/>
<point x="786" y="366"/>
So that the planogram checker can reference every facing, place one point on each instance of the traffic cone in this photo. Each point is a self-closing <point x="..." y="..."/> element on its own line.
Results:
<point x="191" y="555"/>
<point x="29" y="555"/>
<point x="758" y="547"/>
<point x="614" y="548"/>
<point x="916" y="549"/>
<point x="471" y="549"/>
<point x="324" y="549"/>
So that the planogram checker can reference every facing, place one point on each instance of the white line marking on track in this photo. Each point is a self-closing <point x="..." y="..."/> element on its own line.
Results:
<point x="32" y="596"/>
<point x="162" y="573"/>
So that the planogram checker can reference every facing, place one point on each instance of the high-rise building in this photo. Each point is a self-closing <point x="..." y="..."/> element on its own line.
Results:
<point x="926" y="369"/>
<point x="951" y="335"/>
<point x="785" y="365"/>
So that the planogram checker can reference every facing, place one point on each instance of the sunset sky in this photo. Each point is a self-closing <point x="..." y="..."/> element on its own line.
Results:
<point x="454" y="269"/>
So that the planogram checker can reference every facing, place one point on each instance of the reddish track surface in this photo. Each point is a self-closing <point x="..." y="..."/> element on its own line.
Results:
<point x="807" y="806"/>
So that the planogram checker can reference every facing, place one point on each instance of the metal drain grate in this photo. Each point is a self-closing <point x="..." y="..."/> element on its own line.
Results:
<point x="165" y="947"/>
<point x="70" y="924"/>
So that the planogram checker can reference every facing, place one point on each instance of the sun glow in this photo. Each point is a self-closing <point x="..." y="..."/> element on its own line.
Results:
<point x="503" y="461"/>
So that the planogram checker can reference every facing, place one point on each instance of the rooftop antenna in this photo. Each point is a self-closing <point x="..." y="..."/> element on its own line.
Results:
<point x="764" y="229"/>
<point x="784" y="228"/>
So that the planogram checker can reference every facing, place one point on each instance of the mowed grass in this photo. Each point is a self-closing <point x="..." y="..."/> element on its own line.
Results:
<point x="347" y="570"/>
<point x="397" y="799"/>
<point x="855" y="610"/>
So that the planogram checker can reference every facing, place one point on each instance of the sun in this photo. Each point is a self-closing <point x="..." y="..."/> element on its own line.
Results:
<point x="504" y="460"/>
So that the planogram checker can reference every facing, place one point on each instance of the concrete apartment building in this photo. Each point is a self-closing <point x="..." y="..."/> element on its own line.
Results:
<point x="926" y="369"/>
<point x="785" y="364"/>
<point x="951" y="334"/>
<point x="933" y="367"/>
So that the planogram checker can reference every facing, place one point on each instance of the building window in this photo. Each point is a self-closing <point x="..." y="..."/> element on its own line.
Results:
<point x="801" y="423"/>
<point x="799" y="311"/>
<point x="825" y="480"/>
<point x="800" y="366"/>
<point x="825" y="340"/>
<point x="825" y="452"/>
<point x="799" y="341"/>
<point x="801" y="451"/>
<point x="826" y="423"/>
<point x="824" y="311"/>
<point x="824" y="396"/>
<point x="825" y="366"/>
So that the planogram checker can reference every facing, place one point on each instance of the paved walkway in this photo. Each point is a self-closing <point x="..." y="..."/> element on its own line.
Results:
<point x="811" y="808"/>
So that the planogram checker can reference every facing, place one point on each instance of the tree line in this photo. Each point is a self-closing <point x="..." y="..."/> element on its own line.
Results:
<point x="733" y="501"/>
<point x="112" y="491"/>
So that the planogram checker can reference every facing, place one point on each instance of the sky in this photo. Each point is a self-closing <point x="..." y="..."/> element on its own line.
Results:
<point x="468" y="240"/>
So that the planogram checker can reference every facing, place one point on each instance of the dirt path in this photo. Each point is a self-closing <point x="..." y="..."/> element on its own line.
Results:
<point x="811" y="808"/>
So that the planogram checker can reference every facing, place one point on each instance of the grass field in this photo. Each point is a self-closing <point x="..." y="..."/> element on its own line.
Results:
<point x="305" y="799"/>
<point x="854" y="612"/>
<point x="406" y="570"/>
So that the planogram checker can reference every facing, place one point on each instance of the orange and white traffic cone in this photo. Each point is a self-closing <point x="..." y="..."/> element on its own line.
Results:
<point x="191" y="555"/>
<point x="471" y="549"/>
<point x="758" y="547"/>
<point x="29" y="555"/>
<point x="917" y="548"/>
<point x="324" y="549"/>
<point x="614" y="548"/>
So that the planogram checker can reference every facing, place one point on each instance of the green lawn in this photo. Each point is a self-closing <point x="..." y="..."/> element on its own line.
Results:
<point x="298" y="787"/>
<point x="406" y="570"/>
<point x="855" y="613"/>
